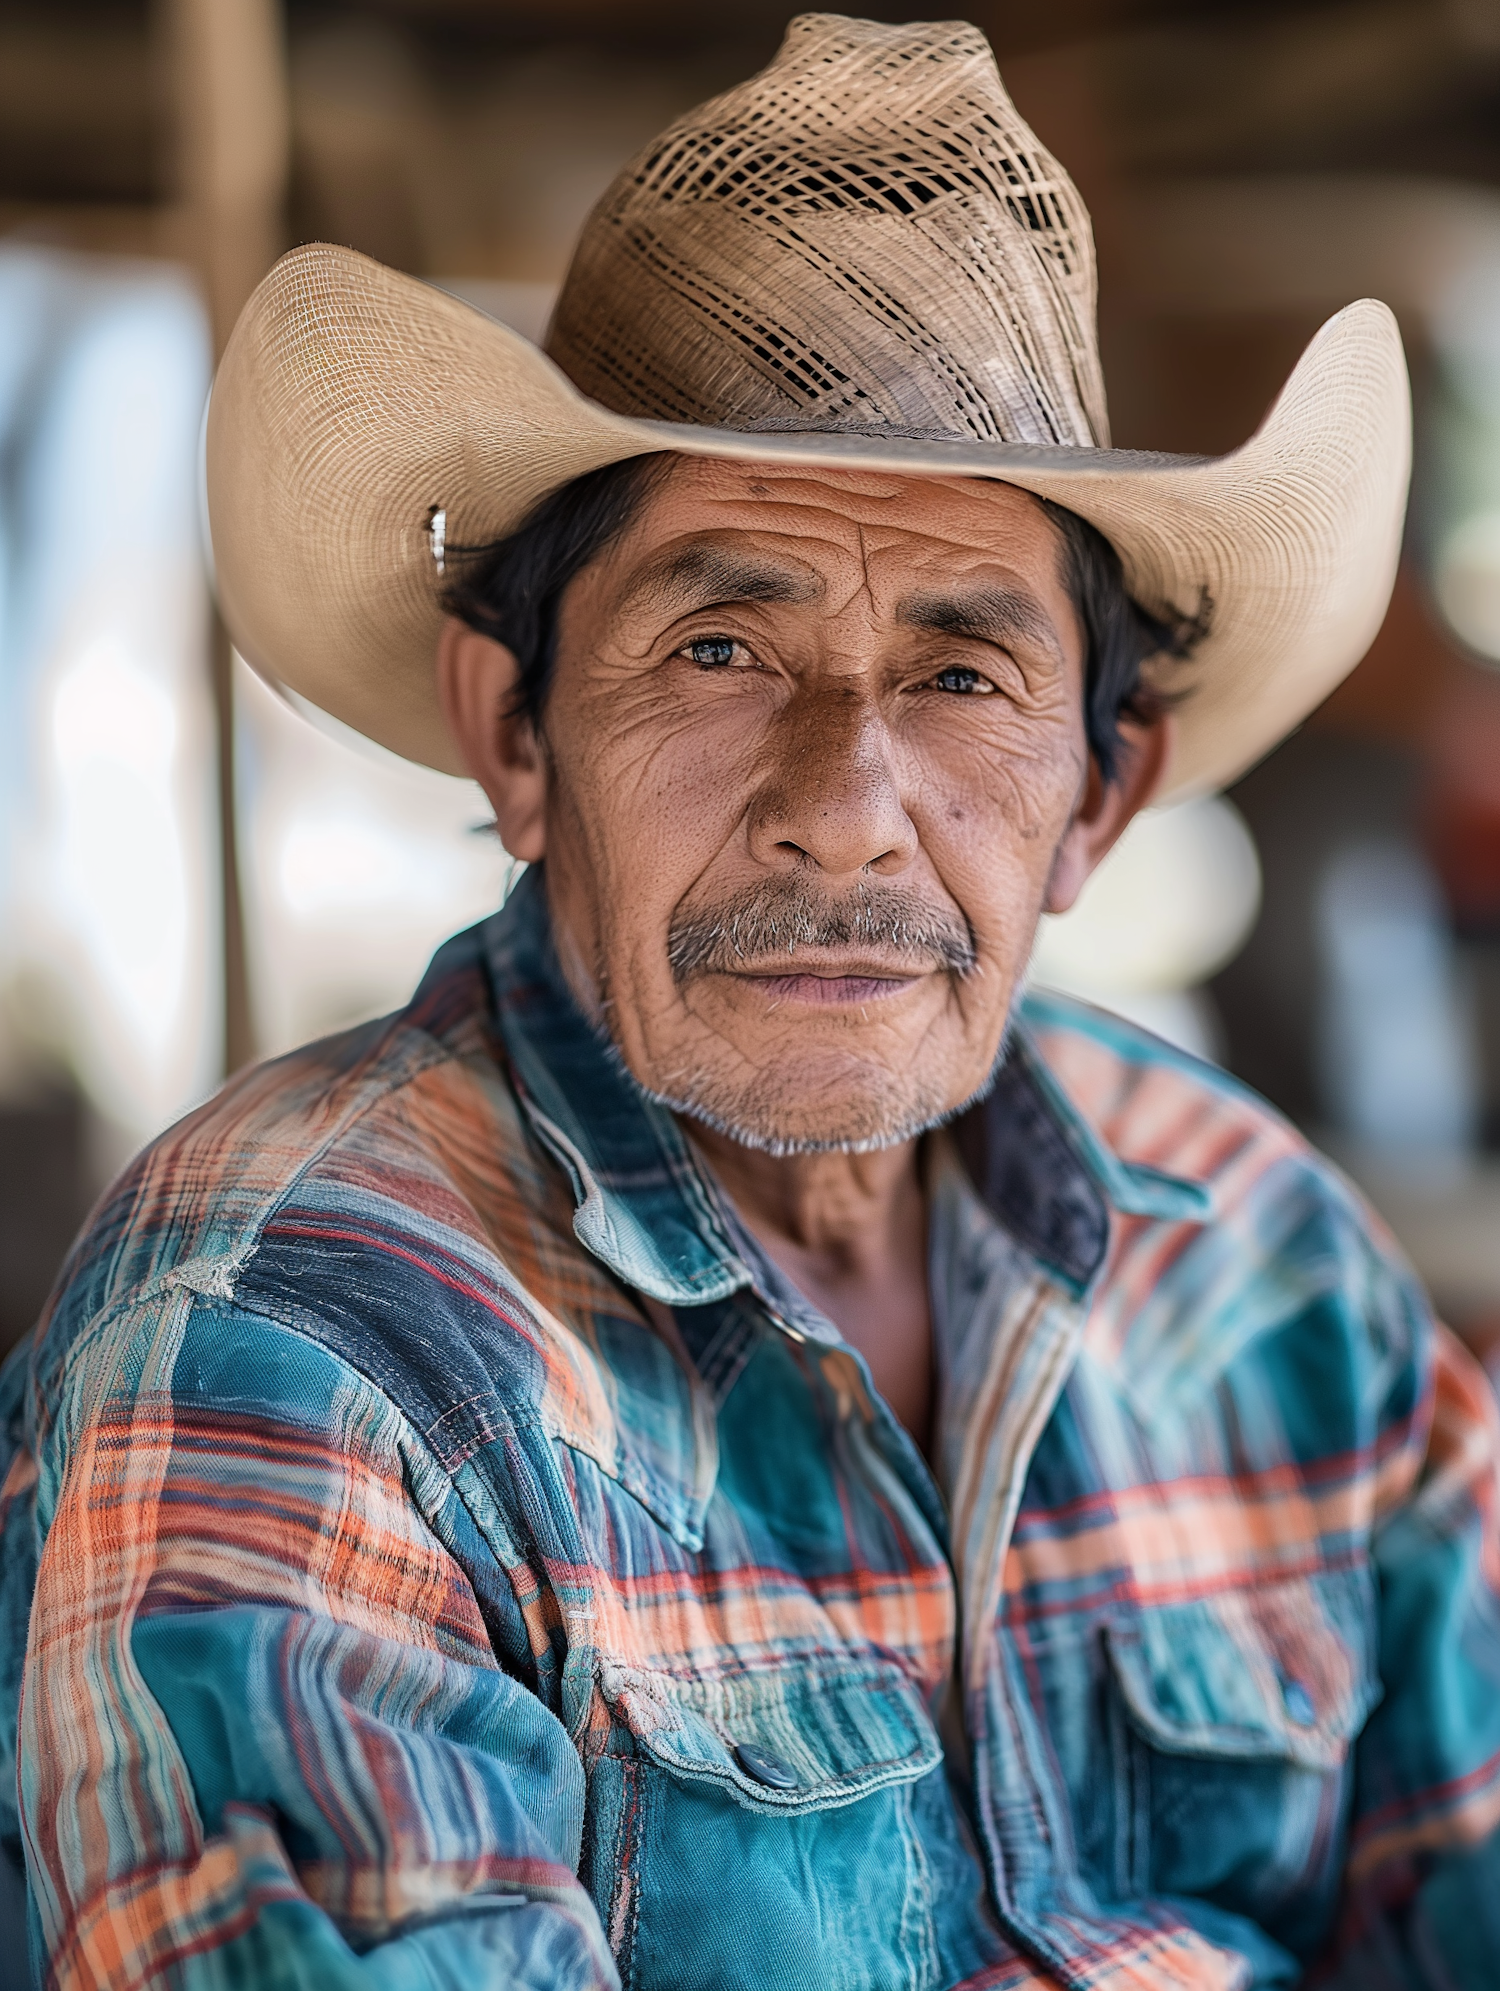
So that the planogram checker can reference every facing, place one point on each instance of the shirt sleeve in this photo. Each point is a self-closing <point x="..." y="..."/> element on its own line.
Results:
<point x="265" y="1739"/>
<point x="1422" y="1903"/>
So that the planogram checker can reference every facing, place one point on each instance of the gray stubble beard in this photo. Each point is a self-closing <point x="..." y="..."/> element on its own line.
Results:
<point x="770" y="922"/>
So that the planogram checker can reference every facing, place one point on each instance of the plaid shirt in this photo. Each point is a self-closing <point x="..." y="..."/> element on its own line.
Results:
<point x="439" y="1551"/>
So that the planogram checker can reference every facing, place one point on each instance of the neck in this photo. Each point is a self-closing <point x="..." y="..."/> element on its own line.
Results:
<point x="850" y="1231"/>
<point x="840" y="1205"/>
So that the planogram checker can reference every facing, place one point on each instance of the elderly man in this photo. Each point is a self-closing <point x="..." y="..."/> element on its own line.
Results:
<point x="723" y="1446"/>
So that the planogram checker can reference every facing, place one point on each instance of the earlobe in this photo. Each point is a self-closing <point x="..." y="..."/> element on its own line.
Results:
<point x="1105" y="810"/>
<point x="477" y="682"/>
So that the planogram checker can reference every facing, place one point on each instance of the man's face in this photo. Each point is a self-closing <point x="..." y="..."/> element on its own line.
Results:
<point x="811" y="747"/>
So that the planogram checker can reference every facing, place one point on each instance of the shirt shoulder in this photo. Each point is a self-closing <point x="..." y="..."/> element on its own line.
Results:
<point x="1161" y="1108"/>
<point x="379" y="1194"/>
<point x="368" y="1122"/>
<point x="201" y="1192"/>
<point x="1286" y="1235"/>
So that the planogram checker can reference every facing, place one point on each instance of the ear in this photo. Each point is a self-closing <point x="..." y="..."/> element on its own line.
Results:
<point x="1105" y="811"/>
<point x="477" y="680"/>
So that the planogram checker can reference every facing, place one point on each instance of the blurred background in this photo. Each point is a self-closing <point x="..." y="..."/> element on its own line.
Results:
<point x="192" y="873"/>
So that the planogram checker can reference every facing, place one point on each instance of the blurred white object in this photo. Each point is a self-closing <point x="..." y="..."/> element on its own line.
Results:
<point x="1173" y="901"/>
<point x="1466" y="581"/>
<point x="1466" y="452"/>
<point x="356" y="866"/>
<point x="108" y="955"/>
<point x="1398" y="1059"/>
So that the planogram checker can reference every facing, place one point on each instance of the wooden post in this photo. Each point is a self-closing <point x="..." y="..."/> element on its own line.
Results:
<point x="232" y="122"/>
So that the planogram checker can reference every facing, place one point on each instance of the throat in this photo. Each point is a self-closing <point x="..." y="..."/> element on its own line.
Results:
<point x="850" y="1233"/>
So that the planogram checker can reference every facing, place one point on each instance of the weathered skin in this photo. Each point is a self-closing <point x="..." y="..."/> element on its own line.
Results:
<point x="825" y="686"/>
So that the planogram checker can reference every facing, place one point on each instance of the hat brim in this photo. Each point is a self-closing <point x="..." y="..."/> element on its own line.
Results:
<point x="352" y="401"/>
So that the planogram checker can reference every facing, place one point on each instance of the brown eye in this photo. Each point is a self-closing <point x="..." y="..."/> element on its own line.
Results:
<point x="959" y="678"/>
<point x="712" y="652"/>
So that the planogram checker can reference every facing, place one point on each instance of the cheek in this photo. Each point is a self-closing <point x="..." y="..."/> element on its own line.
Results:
<point x="991" y="816"/>
<point x="647" y="790"/>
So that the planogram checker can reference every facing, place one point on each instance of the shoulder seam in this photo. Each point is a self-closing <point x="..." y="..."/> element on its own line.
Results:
<point x="214" y="1275"/>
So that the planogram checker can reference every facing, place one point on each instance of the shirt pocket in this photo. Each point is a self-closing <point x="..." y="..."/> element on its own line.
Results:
<point x="769" y="1832"/>
<point x="811" y="1735"/>
<point x="1232" y="1778"/>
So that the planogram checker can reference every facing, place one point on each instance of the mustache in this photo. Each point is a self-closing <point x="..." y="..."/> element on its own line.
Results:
<point x="774" y="918"/>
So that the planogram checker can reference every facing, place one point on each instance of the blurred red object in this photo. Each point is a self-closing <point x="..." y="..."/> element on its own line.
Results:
<point x="1397" y="694"/>
<point x="1418" y="691"/>
<point x="1460" y="811"/>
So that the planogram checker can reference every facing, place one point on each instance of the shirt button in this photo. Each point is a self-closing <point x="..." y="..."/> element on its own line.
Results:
<point x="1298" y="1703"/>
<point x="765" y="1768"/>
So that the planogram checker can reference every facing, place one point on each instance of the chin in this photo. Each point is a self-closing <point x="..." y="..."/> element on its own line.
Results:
<point x="780" y="1116"/>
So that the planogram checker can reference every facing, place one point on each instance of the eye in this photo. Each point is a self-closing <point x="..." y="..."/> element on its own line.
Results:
<point x="713" y="652"/>
<point x="961" y="679"/>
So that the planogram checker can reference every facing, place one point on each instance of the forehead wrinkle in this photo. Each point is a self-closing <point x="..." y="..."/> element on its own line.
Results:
<point x="992" y="613"/>
<point x="704" y="574"/>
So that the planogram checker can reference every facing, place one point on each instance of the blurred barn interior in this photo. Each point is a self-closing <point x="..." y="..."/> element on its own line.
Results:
<point x="1250" y="167"/>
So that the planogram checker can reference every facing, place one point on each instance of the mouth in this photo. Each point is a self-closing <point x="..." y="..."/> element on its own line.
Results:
<point x="831" y="985"/>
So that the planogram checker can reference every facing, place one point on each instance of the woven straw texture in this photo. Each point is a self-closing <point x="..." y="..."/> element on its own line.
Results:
<point x="866" y="236"/>
<point x="859" y="258"/>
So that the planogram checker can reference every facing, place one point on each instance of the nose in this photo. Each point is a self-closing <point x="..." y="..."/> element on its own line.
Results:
<point x="830" y="792"/>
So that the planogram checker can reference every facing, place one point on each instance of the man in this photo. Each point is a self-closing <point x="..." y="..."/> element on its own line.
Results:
<point x="723" y="1446"/>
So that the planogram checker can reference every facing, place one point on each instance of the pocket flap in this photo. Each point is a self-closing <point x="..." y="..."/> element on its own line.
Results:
<point x="803" y="1736"/>
<point x="1279" y="1671"/>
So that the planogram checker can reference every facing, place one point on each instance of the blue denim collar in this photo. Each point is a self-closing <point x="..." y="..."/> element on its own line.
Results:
<point x="645" y="1208"/>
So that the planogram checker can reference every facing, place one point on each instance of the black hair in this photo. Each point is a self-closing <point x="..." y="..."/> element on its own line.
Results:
<point x="1119" y="636"/>
<point x="512" y="590"/>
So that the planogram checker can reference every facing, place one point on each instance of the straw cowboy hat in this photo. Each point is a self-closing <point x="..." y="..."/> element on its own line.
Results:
<point x="859" y="258"/>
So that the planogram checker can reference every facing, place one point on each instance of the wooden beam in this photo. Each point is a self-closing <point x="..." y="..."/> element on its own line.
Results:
<point x="228" y="66"/>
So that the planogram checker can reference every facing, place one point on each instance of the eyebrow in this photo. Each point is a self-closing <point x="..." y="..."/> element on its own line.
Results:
<point x="704" y="576"/>
<point x="987" y="614"/>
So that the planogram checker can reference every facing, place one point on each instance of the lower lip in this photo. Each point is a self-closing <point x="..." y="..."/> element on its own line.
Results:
<point x="829" y="991"/>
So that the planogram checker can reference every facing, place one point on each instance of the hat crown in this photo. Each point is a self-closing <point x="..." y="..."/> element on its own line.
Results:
<point x="865" y="237"/>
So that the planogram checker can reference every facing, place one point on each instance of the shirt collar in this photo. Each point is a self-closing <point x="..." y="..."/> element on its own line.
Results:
<point x="643" y="1206"/>
<point x="645" y="1209"/>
